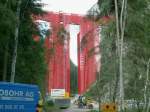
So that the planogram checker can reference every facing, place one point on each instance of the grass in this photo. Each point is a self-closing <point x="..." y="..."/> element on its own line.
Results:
<point x="50" y="107"/>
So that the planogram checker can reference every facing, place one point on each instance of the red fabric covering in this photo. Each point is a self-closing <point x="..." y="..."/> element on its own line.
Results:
<point x="58" y="74"/>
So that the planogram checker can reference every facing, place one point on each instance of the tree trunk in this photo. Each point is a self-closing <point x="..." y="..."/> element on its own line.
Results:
<point x="5" y="55"/>
<point x="98" y="85"/>
<point x="120" y="38"/>
<point x="98" y="93"/>
<point x="122" y="28"/>
<point x="146" y="85"/>
<point x="148" y="107"/>
<point x="121" y="60"/>
<point x="5" y="63"/>
<point x="110" y="91"/>
<point x="116" y="81"/>
<point x="14" y="58"/>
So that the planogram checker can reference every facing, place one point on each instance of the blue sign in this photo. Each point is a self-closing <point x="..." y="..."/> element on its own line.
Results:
<point x="15" y="97"/>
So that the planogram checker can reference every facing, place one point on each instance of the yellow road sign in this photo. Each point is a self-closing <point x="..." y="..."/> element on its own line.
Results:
<point x="109" y="107"/>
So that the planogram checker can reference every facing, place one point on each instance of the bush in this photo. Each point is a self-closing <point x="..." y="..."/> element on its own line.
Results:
<point x="50" y="103"/>
<point x="133" y="110"/>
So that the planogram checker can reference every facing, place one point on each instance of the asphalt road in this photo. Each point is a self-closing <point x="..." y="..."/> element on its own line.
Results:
<point x="74" y="108"/>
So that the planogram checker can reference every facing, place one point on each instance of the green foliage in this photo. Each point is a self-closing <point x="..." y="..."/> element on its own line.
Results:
<point x="7" y="27"/>
<point x="83" y="42"/>
<point x="136" y="49"/>
<point x="73" y="73"/>
<point x="138" y="52"/>
<point x="6" y="23"/>
<point x="106" y="7"/>
<point x="62" y="34"/>
<point x="30" y="66"/>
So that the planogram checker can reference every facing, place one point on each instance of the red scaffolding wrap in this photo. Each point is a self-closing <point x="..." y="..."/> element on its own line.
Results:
<point x="57" y="52"/>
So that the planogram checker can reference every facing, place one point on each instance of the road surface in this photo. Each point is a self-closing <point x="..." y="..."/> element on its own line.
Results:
<point x="74" y="108"/>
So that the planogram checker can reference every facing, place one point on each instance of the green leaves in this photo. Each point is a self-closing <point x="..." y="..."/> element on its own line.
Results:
<point x="30" y="66"/>
<point x="7" y="25"/>
<point x="106" y="7"/>
<point x="136" y="49"/>
<point x="73" y="73"/>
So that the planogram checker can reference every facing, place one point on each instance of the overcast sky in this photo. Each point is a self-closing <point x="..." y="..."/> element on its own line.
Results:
<point x="74" y="30"/>
<point x="70" y="6"/>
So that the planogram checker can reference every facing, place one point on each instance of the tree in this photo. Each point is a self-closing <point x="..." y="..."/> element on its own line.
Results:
<point x="30" y="65"/>
<point x="30" y="61"/>
<point x="14" y="58"/>
<point x="136" y="64"/>
<point x="6" y="32"/>
<point x="73" y="73"/>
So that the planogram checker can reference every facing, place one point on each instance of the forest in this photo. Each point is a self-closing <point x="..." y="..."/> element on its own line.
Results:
<point x="125" y="53"/>
<point x="125" y="50"/>
<point x="21" y="58"/>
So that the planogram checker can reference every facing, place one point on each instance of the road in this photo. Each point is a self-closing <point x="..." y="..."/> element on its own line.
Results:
<point x="74" y="108"/>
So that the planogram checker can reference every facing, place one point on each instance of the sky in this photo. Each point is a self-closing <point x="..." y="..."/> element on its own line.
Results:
<point x="70" y="6"/>
<point x="74" y="30"/>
